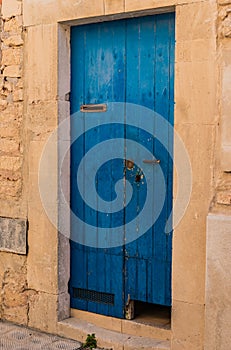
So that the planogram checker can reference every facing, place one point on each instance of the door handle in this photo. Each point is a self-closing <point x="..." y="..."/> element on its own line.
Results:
<point x="151" y="161"/>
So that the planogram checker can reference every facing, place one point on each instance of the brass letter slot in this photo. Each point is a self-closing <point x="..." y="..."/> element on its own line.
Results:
<point x="93" y="108"/>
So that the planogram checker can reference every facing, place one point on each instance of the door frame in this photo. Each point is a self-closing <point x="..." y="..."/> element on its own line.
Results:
<point x="64" y="79"/>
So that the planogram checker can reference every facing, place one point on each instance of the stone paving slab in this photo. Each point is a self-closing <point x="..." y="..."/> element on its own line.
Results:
<point x="14" y="337"/>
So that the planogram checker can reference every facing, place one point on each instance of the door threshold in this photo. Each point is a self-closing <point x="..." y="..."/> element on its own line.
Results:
<point x="78" y="329"/>
<point x="155" y="328"/>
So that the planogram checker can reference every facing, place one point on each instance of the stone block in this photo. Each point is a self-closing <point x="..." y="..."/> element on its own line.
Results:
<point x="9" y="131"/>
<point x="43" y="312"/>
<point x="13" y="207"/>
<point x="42" y="269"/>
<point x="10" y="163"/>
<point x="64" y="121"/>
<point x="64" y="63"/>
<point x="14" y="286"/>
<point x="225" y="24"/>
<point x="158" y="5"/>
<point x="199" y="141"/>
<point x="13" y="236"/>
<point x="112" y="6"/>
<point x="41" y="69"/>
<point x="11" y="8"/>
<point x="49" y="12"/>
<point x="195" y="93"/>
<point x="218" y="283"/>
<point x="18" y="314"/>
<point x="64" y="263"/>
<point x="9" y="146"/>
<point x="195" y="50"/>
<point x="224" y="2"/>
<point x="225" y="107"/>
<point x="3" y="104"/>
<point x="12" y="116"/>
<point x="43" y="178"/>
<point x="42" y="118"/>
<point x="136" y="5"/>
<point x="137" y="343"/>
<point x="7" y="88"/>
<point x="187" y="326"/>
<point x="224" y="197"/>
<point x="13" y="25"/>
<point x="15" y="40"/>
<point x="11" y="57"/>
<point x="63" y="306"/>
<point x="106" y="322"/>
<point x="18" y="95"/>
<point x="64" y="172"/>
<point x="144" y="330"/>
<point x="196" y="20"/>
<point x="189" y="250"/>
<point x="12" y="71"/>
<point x="10" y="187"/>
<point x="226" y="158"/>
<point x="35" y="153"/>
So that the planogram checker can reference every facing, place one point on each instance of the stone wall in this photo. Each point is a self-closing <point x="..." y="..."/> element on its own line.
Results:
<point x="11" y="105"/>
<point x="223" y="195"/>
<point x="218" y="267"/>
<point x="13" y="268"/>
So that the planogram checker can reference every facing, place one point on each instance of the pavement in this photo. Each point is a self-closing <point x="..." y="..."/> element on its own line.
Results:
<point x="13" y="337"/>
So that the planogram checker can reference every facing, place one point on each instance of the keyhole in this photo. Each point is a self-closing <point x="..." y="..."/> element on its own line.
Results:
<point x="138" y="178"/>
<point x="129" y="164"/>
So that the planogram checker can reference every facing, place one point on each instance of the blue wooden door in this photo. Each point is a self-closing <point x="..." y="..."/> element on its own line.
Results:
<point x="129" y="62"/>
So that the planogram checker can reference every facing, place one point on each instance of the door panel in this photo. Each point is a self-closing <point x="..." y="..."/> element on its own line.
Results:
<point x="99" y="78"/>
<point x="150" y="47"/>
<point x="129" y="61"/>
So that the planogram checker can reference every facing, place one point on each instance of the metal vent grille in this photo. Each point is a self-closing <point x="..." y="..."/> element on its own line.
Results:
<point x="91" y="295"/>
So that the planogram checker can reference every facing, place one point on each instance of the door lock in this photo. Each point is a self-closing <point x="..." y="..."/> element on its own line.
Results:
<point x="129" y="164"/>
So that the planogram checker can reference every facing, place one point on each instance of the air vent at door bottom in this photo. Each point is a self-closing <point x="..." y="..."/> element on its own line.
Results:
<point x="91" y="295"/>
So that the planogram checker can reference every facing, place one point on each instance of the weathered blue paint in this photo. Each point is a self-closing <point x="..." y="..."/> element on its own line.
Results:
<point x="122" y="61"/>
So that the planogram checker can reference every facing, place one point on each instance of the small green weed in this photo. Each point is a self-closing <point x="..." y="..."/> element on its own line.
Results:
<point x="91" y="342"/>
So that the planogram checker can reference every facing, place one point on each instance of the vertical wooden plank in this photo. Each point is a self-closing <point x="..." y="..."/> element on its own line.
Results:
<point x="168" y="290"/>
<point x="132" y="96"/>
<point x="147" y="84"/>
<point x="91" y="94"/>
<point x="78" y="256"/>
<point x="162" y="106"/>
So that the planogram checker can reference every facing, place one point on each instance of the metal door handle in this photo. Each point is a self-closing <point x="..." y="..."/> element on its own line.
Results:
<point x="153" y="161"/>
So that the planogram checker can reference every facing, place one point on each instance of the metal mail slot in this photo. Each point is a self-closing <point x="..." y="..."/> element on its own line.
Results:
<point x="93" y="108"/>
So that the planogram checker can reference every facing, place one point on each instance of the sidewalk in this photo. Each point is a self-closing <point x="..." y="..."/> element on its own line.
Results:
<point x="14" y="337"/>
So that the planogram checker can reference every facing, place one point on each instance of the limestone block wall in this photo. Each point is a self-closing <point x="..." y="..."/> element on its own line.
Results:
<point x="13" y="267"/>
<point x="218" y="286"/>
<point x="224" y="63"/>
<point x="11" y="107"/>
